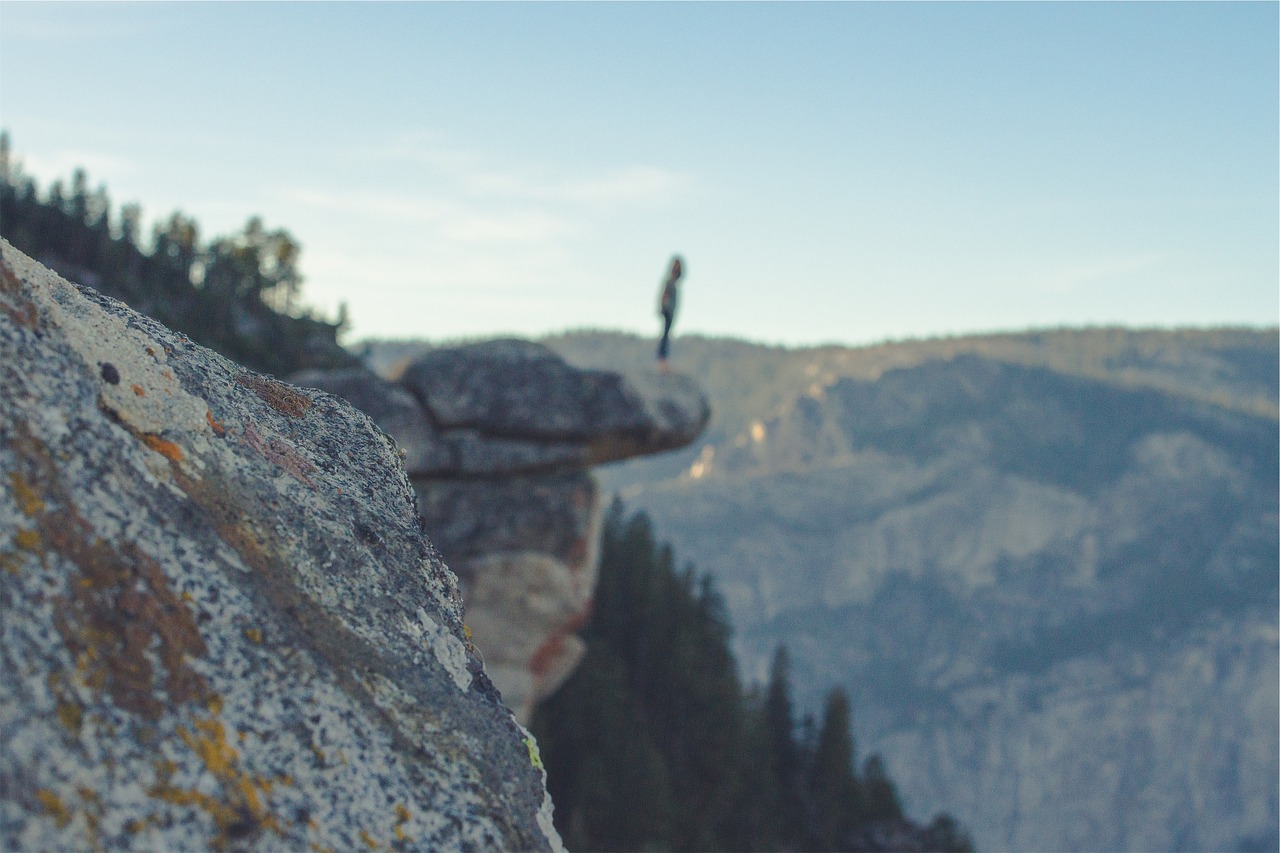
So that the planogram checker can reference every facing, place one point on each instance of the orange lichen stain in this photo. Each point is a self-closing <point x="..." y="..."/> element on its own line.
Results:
<point x="71" y="715"/>
<point x="166" y="373"/>
<point x="27" y="540"/>
<point x="242" y="811"/>
<point x="163" y="446"/>
<point x="54" y="806"/>
<point x="188" y="597"/>
<point x="10" y="564"/>
<point x="316" y="848"/>
<point x="279" y="396"/>
<point x="118" y="616"/>
<point x="253" y="635"/>
<point x="280" y="453"/>
<point x="217" y="427"/>
<point x="23" y="314"/>
<point x="29" y="501"/>
<point x="402" y="817"/>
<point x="138" y="389"/>
<point x="367" y="839"/>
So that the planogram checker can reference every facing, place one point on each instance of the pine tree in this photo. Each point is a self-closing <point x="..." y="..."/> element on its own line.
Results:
<point x="879" y="795"/>
<point x="833" y="784"/>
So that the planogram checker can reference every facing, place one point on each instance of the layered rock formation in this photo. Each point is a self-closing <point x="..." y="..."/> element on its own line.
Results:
<point x="221" y="625"/>
<point x="498" y="438"/>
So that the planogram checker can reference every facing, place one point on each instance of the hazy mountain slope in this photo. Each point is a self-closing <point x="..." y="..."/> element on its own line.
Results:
<point x="1045" y="566"/>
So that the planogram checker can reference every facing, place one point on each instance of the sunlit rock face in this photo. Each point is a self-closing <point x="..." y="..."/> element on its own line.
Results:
<point x="499" y="448"/>
<point x="221" y="625"/>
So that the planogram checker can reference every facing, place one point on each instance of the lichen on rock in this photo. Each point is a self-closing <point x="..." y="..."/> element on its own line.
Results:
<point x="221" y="624"/>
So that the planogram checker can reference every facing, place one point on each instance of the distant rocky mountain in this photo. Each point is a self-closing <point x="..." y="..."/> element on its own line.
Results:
<point x="1043" y="565"/>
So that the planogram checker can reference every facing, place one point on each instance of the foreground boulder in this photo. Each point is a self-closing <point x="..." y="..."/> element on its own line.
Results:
<point x="498" y="438"/>
<point x="221" y="625"/>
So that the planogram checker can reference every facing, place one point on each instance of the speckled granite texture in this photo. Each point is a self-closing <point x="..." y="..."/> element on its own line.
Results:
<point x="221" y="626"/>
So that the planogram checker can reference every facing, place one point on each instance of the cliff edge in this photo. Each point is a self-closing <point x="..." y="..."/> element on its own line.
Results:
<point x="499" y="438"/>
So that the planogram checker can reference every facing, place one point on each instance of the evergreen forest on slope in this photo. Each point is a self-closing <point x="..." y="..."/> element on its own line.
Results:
<point x="653" y="744"/>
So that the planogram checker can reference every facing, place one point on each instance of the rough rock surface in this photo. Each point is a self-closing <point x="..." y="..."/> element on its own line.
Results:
<point x="221" y="624"/>
<point x="498" y="450"/>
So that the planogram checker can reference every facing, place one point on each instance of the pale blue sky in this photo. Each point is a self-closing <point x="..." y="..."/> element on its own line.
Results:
<point x="831" y="172"/>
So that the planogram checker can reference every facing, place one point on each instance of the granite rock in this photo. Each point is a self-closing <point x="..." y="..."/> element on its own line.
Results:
<point x="520" y="389"/>
<point x="221" y="623"/>
<point x="505" y="489"/>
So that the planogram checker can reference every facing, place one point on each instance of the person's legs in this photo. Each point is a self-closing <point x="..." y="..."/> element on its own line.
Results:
<point x="664" y="345"/>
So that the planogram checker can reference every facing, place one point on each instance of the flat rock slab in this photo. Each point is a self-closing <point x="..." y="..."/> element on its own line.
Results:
<point x="221" y="625"/>
<point x="520" y="389"/>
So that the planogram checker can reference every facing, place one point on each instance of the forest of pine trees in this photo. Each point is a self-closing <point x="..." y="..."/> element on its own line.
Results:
<point x="237" y="295"/>
<point x="653" y="743"/>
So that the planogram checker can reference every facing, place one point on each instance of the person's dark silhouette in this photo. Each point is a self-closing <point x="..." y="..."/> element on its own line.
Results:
<point x="667" y="301"/>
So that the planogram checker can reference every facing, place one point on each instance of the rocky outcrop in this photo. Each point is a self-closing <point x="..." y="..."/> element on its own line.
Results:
<point x="221" y="625"/>
<point x="498" y="438"/>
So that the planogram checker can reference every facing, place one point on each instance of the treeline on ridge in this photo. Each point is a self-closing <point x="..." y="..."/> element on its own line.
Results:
<point x="654" y="744"/>
<point x="237" y="294"/>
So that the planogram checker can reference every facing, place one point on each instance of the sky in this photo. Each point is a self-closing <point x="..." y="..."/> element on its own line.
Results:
<point x="830" y="172"/>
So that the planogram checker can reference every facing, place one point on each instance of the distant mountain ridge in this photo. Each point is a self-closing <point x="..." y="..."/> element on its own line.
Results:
<point x="1043" y="564"/>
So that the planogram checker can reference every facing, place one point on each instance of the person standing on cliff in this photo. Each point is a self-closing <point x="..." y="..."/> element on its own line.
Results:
<point x="667" y="308"/>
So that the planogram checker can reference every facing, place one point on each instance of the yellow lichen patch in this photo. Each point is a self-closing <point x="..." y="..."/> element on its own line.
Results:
<point x="279" y="396"/>
<point x="368" y="839"/>
<point x="54" y="806"/>
<point x="27" y="540"/>
<point x="402" y="817"/>
<point x="29" y="501"/>
<point x="241" y="812"/>
<point x="535" y="758"/>
<point x="71" y="715"/>
<point x="163" y="446"/>
<point x="253" y="635"/>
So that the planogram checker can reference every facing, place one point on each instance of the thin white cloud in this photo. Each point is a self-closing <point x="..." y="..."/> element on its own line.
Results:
<point x="469" y="173"/>
<point x="1072" y="277"/>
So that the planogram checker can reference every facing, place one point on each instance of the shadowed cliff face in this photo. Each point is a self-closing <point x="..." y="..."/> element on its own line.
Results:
<point x="498" y="438"/>
<point x="221" y="624"/>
